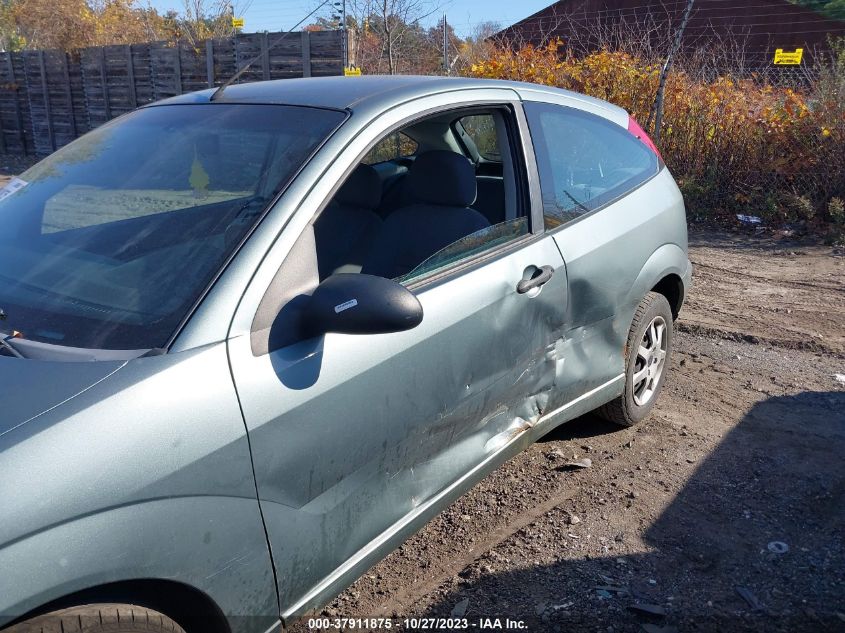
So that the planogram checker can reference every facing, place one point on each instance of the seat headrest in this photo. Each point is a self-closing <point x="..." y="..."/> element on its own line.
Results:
<point x="362" y="188"/>
<point x="442" y="178"/>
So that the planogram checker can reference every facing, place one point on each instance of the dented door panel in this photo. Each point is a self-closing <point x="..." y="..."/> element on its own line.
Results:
<point x="352" y="433"/>
<point x="605" y="286"/>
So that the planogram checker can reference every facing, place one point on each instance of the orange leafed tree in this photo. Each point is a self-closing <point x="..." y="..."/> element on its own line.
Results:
<point x="734" y="144"/>
<point x="70" y="24"/>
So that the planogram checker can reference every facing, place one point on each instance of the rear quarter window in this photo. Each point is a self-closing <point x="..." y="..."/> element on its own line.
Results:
<point x="585" y="162"/>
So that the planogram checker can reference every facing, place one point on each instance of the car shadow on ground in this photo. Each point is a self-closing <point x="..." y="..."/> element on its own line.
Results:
<point x="582" y="428"/>
<point x="752" y="542"/>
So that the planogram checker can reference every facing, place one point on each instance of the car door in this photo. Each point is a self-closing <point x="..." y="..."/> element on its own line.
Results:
<point x="358" y="439"/>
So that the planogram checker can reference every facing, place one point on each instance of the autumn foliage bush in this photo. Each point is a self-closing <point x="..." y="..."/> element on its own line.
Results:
<point x="734" y="145"/>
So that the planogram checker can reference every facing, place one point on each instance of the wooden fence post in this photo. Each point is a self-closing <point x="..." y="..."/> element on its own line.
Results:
<point x="130" y="77"/>
<point x="2" y="135"/>
<point x="70" y="74"/>
<point x="46" y="90"/>
<point x="306" y="54"/>
<point x="209" y="61"/>
<point x="18" y="113"/>
<point x="103" y="79"/>
<point x="265" y="56"/>
<point x="69" y="95"/>
<point x="177" y="67"/>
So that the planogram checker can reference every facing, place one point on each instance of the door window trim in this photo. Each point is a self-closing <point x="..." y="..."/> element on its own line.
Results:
<point x="518" y="126"/>
<point x="274" y="293"/>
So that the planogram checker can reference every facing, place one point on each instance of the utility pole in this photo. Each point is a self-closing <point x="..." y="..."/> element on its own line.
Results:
<point x="341" y="4"/>
<point x="657" y="107"/>
<point x="345" y="36"/>
<point x="445" y="46"/>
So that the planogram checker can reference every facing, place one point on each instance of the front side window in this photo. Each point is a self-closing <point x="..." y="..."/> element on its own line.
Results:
<point x="424" y="220"/>
<point x="108" y="242"/>
<point x="585" y="162"/>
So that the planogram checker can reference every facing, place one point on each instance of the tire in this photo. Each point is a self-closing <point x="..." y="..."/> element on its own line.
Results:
<point x="99" y="618"/>
<point x="644" y="355"/>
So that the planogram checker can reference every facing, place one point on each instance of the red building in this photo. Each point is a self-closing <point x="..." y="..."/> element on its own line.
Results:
<point x="754" y="29"/>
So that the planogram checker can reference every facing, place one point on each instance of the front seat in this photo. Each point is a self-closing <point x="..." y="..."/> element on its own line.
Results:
<point x="345" y="229"/>
<point x="443" y="185"/>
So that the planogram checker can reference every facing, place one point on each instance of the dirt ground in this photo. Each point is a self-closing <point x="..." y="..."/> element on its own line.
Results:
<point x="687" y="515"/>
<point x="724" y="511"/>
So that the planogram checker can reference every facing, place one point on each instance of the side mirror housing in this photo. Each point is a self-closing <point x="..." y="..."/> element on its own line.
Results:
<point x="360" y="304"/>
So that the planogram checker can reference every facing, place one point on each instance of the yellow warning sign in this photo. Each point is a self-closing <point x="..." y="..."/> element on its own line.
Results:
<point x="788" y="58"/>
<point x="352" y="71"/>
<point x="237" y="22"/>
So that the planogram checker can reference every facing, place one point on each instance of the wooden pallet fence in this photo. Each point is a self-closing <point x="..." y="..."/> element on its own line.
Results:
<point x="48" y="97"/>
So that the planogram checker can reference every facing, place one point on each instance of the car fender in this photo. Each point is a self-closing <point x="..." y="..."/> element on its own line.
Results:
<point x="145" y="475"/>
<point x="215" y="545"/>
<point x="668" y="259"/>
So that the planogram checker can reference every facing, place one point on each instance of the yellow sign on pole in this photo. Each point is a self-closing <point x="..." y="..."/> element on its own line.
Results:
<point x="788" y="58"/>
<point x="352" y="71"/>
<point x="237" y="22"/>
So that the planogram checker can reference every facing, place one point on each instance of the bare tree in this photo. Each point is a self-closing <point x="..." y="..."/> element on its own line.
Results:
<point x="387" y="35"/>
<point x="397" y="19"/>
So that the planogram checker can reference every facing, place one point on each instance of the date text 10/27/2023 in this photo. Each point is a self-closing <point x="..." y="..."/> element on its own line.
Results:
<point x="417" y="624"/>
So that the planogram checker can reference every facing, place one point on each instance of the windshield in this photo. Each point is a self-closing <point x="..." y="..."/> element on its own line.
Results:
<point x="108" y="243"/>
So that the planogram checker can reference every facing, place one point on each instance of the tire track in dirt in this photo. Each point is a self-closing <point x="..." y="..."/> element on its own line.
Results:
<point x="399" y="602"/>
<point x="703" y="329"/>
<point x="744" y="274"/>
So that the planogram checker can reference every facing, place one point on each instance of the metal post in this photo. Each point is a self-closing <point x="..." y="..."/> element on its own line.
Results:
<point x="657" y="106"/>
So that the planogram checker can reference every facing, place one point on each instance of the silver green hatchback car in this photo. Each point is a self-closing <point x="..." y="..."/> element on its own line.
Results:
<point x="252" y="342"/>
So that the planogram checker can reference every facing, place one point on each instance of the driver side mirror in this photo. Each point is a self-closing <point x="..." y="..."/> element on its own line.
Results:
<point x="351" y="303"/>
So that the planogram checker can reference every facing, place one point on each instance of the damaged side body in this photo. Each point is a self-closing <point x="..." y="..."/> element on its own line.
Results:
<point x="358" y="441"/>
<point x="350" y="451"/>
<point x="279" y="458"/>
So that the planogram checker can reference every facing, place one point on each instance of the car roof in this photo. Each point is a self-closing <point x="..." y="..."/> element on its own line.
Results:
<point x="371" y="91"/>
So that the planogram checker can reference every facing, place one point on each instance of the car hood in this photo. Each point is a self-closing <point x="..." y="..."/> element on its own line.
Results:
<point x="28" y="388"/>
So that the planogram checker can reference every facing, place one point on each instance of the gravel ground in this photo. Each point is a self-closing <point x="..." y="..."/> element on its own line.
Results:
<point x="686" y="515"/>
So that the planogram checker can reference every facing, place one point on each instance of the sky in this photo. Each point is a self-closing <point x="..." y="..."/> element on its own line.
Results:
<point x="463" y="15"/>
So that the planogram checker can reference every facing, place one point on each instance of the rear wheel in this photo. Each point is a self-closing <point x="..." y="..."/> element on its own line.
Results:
<point x="99" y="618"/>
<point x="649" y="348"/>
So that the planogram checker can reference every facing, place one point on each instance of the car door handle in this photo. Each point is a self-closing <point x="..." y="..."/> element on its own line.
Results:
<point x="541" y="276"/>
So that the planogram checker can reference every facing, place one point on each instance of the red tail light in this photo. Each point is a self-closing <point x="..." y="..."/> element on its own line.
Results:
<point x="635" y="129"/>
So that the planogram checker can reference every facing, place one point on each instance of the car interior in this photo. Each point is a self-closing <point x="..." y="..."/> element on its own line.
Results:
<point x="446" y="183"/>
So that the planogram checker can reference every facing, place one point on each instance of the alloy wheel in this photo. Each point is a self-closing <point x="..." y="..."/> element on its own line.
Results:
<point x="650" y="361"/>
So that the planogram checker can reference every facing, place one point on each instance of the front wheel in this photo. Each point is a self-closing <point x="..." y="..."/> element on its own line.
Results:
<point x="99" y="618"/>
<point x="649" y="348"/>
